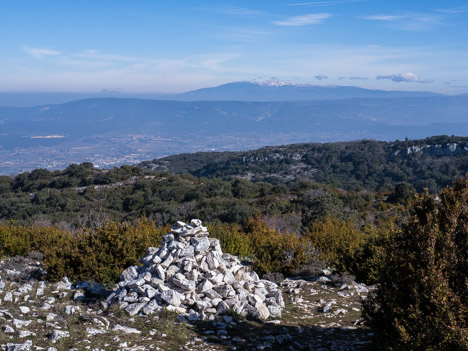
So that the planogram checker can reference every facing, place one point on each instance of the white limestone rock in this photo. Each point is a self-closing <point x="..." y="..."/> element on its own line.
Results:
<point x="8" y="297"/>
<point x="19" y="347"/>
<point x="130" y="273"/>
<point x="58" y="334"/>
<point x="126" y="330"/>
<point x="64" y="284"/>
<point x="189" y="274"/>
<point x="171" y="297"/>
<point x="200" y="244"/>
<point x="24" y="309"/>
<point x="8" y="329"/>
<point x="134" y="308"/>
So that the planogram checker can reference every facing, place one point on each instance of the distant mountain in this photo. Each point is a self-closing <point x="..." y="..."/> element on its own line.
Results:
<point x="327" y="120"/>
<point x="31" y="99"/>
<point x="113" y="131"/>
<point x="248" y="91"/>
<point x="237" y="91"/>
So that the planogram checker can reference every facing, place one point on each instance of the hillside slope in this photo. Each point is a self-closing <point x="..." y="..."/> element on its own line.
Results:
<point x="432" y="162"/>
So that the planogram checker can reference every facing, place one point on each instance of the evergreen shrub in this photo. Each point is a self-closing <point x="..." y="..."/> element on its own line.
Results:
<point x="422" y="299"/>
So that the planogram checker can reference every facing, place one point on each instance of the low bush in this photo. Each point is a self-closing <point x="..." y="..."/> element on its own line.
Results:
<point x="232" y="239"/>
<point x="360" y="252"/>
<point x="369" y="258"/>
<point x="336" y="241"/>
<point x="102" y="254"/>
<point x="18" y="240"/>
<point x="98" y="254"/>
<point x="272" y="250"/>
<point x="422" y="299"/>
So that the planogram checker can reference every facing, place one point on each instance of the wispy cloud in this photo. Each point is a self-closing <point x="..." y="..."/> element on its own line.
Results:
<point x="412" y="21"/>
<point x="358" y="78"/>
<point x="40" y="52"/>
<point x="325" y="3"/>
<point x="386" y="17"/>
<point x="244" y="35"/>
<point x="295" y="21"/>
<point x="321" y="76"/>
<point x="404" y="77"/>
<point x="235" y="11"/>
<point x="241" y="11"/>
<point x="454" y="10"/>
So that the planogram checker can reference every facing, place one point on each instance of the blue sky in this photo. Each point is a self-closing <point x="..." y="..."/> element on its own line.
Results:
<point x="173" y="46"/>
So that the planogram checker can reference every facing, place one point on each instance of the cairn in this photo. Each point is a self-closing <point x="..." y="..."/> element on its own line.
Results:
<point x="190" y="275"/>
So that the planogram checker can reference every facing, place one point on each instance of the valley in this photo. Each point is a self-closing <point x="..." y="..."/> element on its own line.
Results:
<point x="114" y="131"/>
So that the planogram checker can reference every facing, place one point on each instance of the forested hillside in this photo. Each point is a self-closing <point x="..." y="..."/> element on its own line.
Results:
<point x="82" y="195"/>
<point x="372" y="165"/>
<point x="355" y="178"/>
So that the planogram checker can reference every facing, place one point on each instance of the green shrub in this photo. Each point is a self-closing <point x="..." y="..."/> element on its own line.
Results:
<point x="337" y="241"/>
<point x="13" y="240"/>
<point x="422" y="300"/>
<point x="369" y="258"/>
<point x="232" y="239"/>
<point x="274" y="251"/>
<point x="98" y="254"/>
<point x="18" y="240"/>
<point x="103" y="253"/>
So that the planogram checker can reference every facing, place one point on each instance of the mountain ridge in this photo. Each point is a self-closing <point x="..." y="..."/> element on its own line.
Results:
<point x="364" y="164"/>
<point x="252" y="91"/>
<point x="234" y="91"/>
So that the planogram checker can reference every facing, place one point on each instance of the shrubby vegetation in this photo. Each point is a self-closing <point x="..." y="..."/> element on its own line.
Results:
<point x="81" y="196"/>
<point x="101" y="253"/>
<point x="79" y="218"/>
<point x="422" y="300"/>
<point x="98" y="254"/>
<point x="366" y="164"/>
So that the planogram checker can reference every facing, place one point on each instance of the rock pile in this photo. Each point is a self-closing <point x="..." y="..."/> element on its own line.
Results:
<point x="190" y="275"/>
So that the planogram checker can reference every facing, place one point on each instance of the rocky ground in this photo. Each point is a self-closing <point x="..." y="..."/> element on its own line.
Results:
<point x="321" y="313"/>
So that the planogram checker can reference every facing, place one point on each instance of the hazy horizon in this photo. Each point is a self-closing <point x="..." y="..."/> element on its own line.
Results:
<point x="173" y="47"/>
<point x="124" y="92"/>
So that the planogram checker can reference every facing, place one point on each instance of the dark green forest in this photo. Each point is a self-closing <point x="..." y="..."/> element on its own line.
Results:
<point x="366" y="164"/>
<point x="363" y="181"/>
<point x="81" y="195"/>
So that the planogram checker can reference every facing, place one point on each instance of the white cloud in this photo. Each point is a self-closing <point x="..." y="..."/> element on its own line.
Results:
<point x="40" y="52"/>
<point x="325" y="3"/>
<point x="321" y="76"/>
<point x="386" y="17"/>
<point x="403" y="77"/>
<point x="235" y="11"/>
<point x="411" y="21"/>
<point x="241" y="12"/>
<point x="244" y="35"/>
<point x="295" y="21"/>
<point x="455" y="10"/>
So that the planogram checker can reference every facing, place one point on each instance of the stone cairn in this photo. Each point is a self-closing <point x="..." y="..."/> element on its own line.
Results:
<point x="190" y="275"/>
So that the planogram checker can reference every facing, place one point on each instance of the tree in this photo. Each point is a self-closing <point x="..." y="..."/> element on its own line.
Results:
<point x="402" y="194"/>
<point x="422" y="300"/>
<point x="318" y="204"/>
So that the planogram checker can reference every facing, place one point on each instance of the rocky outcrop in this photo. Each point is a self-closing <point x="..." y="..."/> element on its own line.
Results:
<point x="448" y="149"/>
<point x="189" y="274"/>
